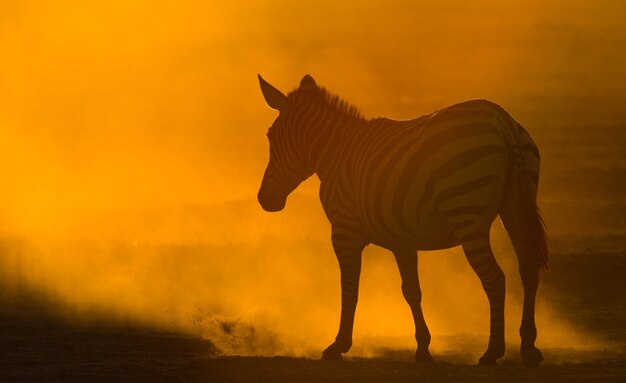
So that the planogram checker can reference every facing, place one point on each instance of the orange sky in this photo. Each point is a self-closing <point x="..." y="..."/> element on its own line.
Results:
<point x="102" y="105"/>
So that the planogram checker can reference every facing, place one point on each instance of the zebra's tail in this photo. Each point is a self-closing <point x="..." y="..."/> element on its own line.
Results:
<point x="525" y="211"/>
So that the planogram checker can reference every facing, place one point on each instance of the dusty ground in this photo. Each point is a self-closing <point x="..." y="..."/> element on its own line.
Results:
<point x="36" y="345"/>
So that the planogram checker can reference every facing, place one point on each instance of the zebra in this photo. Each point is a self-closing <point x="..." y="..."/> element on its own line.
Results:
<point x="434" y="182"/>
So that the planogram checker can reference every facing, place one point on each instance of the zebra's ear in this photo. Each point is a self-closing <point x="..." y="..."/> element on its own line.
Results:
<point x="307" y="82"/>
<point x="275" y="98"/>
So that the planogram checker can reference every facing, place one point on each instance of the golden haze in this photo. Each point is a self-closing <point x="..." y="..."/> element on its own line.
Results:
<point x="132" y="144"/>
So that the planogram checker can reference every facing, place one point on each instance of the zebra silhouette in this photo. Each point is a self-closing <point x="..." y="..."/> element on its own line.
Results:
<point x="434" y="182"/>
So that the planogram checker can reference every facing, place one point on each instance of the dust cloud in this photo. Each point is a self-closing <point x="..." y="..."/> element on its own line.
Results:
<point x="132" y="144"/>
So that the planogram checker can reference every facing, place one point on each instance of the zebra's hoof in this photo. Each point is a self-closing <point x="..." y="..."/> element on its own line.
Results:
<point x="531" y="357"/>
<point x="483" y="361"/>
<point x="332" y="352"/>
<point x="490" y="357"/>
<point x="422" y="357"/>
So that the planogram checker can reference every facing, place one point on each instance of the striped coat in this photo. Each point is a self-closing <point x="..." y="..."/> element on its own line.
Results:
<point x="434" y="182"/>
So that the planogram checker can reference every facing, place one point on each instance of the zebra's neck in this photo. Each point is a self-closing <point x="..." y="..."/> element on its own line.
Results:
<point x="323" y="140"/>
<point x="322" y="121"/>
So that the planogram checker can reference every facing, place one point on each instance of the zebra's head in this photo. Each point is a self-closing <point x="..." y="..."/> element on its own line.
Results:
<point x="287" y="167"/>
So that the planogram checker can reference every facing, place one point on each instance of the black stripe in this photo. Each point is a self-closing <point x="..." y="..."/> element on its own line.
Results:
<point x="456" y="163"/>
<point x="477" y="103"/>
<point x="532" y="149"/>
<point x="534" y="177"/>
<point x="478" y="251"/>
<point x="446" y="115"/>
<point x="467" y="187"/>
<point x="460" y="225"/>
<point x="473" y="236"/>
<point x="429" y="147"/>
<point x="347" y="237"/>
<point x="434" y="143"/>
<point x="383" y="179"/>
<point x="384" y="139"/>
<point x="472" y="210"/>
<point x="465" y="159"/>
<point x="375" y="135"/>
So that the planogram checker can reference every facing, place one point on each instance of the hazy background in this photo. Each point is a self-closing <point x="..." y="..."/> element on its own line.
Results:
<point x="132" y="145"/>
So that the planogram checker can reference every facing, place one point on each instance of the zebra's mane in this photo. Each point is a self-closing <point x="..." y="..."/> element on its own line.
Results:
<point x="320" y="96"/>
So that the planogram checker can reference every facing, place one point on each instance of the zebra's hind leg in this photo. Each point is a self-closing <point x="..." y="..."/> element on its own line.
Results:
<point x="407" y="264"/>
<point x="349" y="257"/>
<point x="478" y="252"/>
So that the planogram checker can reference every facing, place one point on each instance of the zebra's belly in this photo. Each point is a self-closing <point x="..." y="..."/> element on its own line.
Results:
<point x="433" y="234"/>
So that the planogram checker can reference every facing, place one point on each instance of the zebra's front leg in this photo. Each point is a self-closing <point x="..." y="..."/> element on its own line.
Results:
<point x="407" y="264"/>
<point x="478" y="252"/>
<point x="349" y="257"/>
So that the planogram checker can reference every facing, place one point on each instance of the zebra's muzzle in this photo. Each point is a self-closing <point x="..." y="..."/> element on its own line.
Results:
<point x="271" y="202"/>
